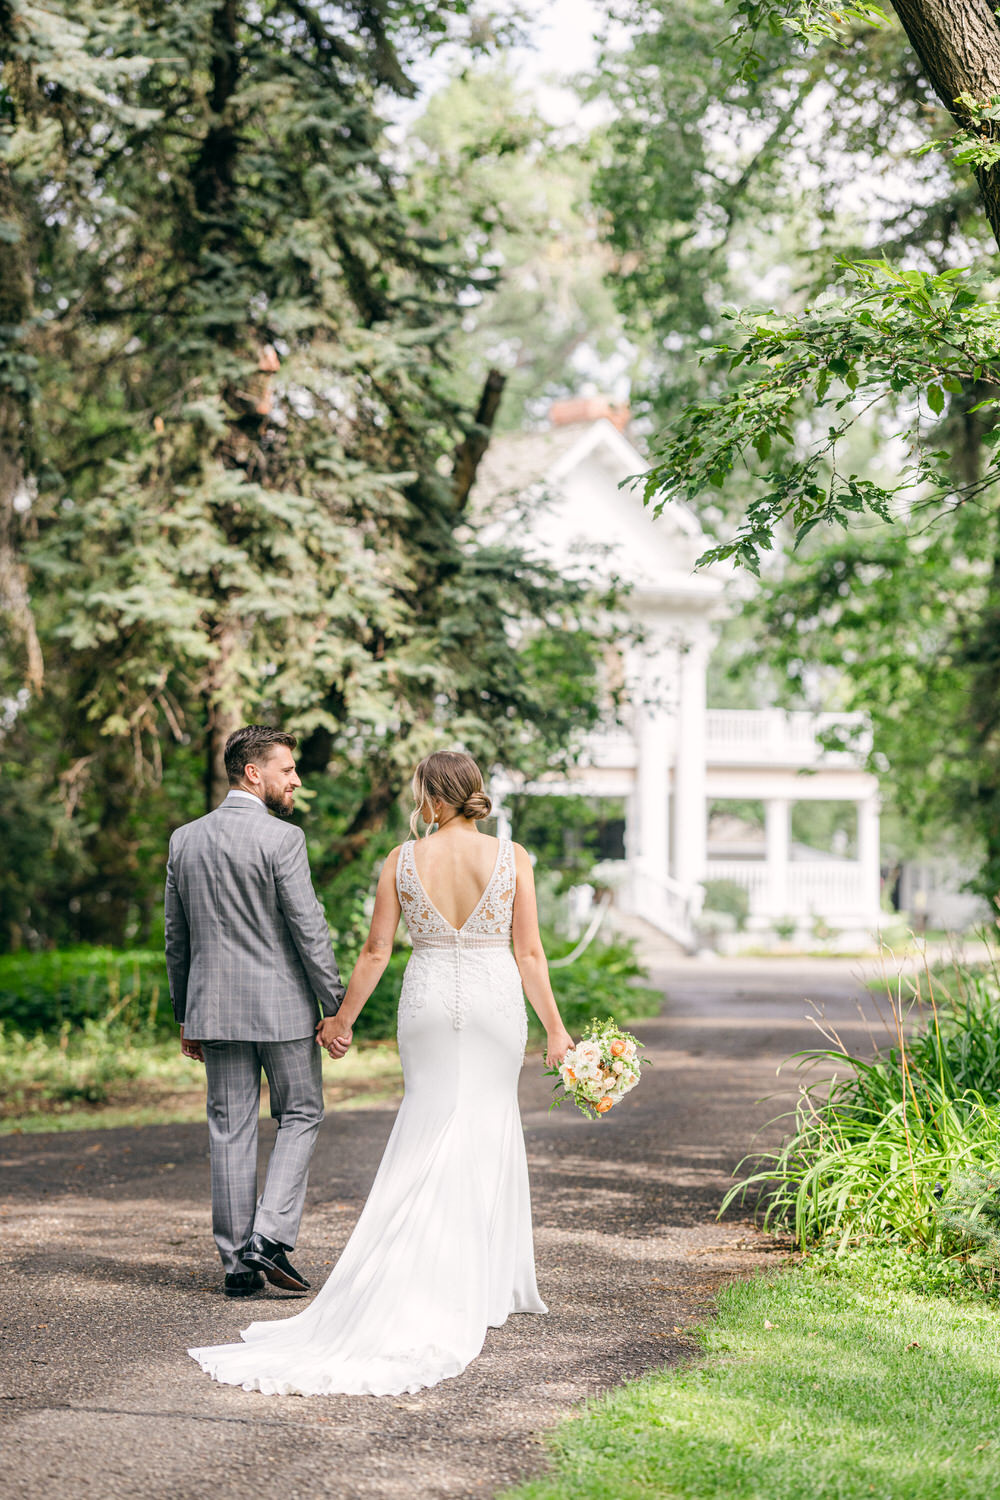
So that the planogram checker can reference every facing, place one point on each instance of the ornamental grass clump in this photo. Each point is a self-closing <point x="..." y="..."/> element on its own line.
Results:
<point x="875" y="1147"/>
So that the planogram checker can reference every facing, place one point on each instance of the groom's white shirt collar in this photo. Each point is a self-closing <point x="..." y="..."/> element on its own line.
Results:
<point x="236" y="792"/>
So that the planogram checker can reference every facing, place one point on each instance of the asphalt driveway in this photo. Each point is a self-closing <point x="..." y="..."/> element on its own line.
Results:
<point x="110" y="1273"/>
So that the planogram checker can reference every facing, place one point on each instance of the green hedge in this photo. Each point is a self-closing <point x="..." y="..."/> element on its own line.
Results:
<point x="41" y="992"/>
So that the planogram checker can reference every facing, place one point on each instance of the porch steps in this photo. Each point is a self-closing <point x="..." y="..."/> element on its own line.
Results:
<point x="654" y="946"/>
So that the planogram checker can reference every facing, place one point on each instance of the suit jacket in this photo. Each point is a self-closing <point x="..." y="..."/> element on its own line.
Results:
<point x="248" y="948"/>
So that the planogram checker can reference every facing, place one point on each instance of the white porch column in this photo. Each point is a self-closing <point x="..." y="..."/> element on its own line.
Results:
<point x="776" y="834"/>
<point x="690" y="807"/>
<point x="498" y="789"/>
<point x="649" y="838"/>
<point x="869" y="858"/>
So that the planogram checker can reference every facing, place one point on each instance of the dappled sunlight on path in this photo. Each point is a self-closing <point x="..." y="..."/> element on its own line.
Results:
<point x="112" y="1274"/>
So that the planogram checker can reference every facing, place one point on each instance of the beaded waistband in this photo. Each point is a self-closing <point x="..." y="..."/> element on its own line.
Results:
<point x="460" y="941"/>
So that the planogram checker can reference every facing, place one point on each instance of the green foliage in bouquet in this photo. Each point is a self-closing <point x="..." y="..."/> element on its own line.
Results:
<point x="587" y="1075"/>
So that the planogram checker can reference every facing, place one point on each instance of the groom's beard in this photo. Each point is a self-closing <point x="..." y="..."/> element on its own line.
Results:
<point x="278" y="804"/>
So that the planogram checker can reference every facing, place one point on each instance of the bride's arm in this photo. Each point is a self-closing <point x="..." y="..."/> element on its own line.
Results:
<point x="371" y="962"/>
<point x="530" y="957"/>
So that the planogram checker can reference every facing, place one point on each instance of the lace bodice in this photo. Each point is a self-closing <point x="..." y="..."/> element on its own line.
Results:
<point x="488" y="924"/>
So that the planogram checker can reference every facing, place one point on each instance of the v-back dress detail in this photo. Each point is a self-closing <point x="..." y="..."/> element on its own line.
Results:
<point x="443" y="1248"/>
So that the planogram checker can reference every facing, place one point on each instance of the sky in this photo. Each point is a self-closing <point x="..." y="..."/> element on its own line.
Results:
<point x="560" y="44"/>
<point x="563" y="36"/>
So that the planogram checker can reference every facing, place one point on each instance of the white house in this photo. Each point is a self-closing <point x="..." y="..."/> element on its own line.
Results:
<point x="674" y="755"/>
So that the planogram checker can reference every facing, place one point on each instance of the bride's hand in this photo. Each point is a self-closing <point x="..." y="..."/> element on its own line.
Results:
<point x="334" y="1036"/>
<point x="557" y="1044"/>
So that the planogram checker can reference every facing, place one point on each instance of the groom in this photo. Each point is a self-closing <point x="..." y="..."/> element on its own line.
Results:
<point x="248" y="956"/>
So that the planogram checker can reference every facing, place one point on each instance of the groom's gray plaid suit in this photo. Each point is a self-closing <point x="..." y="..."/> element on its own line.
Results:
<point x="248" y="956"/>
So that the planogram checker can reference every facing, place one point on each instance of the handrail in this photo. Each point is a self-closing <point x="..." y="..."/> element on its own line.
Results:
<point x="588" y="937"/>
<point x="690" y="900"/>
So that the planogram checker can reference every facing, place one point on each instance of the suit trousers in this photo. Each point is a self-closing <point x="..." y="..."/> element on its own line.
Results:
<point x="294" y="1071"/>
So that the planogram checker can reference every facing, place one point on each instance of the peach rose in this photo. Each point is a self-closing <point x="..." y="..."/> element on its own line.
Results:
<point x="617" y="1049"/>
<point x="603" y="1105"/>
<point x="569" y="1075"/>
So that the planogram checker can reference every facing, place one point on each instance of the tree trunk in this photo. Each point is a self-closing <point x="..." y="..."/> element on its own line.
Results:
<point x="15" y="601"/>
<point x="213" y="180"/>
<point x="958" y="44"/>
<point x="15" y="417"/>
<point x="977" y="647"/>
<point x="223" y="712"/>
<point x="471" y="450"/>
<point x="370" y="818"/>
<point x="215" y="169"/>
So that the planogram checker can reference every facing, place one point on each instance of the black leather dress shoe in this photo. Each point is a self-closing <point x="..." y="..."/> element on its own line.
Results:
<point x="243" y="1283"/>
<point x="272" y="1260"/>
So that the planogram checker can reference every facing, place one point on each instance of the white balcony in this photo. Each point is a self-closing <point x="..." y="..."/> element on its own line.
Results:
<point x="771" y="737"/>
<point x="611" y="749"/>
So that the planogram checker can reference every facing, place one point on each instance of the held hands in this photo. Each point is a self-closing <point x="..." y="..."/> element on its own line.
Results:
<point x="334" y="1035"/>
<point x="557" y="1044"/>
<point x="191" y="1048"/>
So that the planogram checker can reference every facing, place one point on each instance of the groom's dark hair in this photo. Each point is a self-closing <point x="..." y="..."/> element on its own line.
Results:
<point x="252" y="742"/>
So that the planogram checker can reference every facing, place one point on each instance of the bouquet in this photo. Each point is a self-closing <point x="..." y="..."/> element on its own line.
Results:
<point x="602" y="1068"/>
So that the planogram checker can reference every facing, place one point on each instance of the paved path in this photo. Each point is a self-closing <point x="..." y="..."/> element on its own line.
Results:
<point x="109" y="1273"/>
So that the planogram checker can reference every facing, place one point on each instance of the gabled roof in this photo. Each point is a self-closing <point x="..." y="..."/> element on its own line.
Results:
<point x="516" y="461"/>
<point x="579" y="473"/>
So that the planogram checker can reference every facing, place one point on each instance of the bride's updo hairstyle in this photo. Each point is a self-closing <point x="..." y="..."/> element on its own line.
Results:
<point x="452" y="777"/>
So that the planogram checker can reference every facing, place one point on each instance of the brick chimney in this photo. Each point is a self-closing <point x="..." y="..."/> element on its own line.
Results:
<point x="588" y="409"/>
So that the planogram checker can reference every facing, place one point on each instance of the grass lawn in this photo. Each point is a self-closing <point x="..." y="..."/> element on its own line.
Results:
<point x="97" y="1080"/>
<point x="812" y="1386"/>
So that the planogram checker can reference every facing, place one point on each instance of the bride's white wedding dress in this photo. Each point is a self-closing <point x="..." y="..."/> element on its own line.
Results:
<point x="443" y="1248"/>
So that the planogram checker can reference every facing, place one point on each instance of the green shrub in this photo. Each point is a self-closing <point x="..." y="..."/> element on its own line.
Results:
<point x="42" y="992"/>
<point x="730" y="897"/>
<point x="604" y="981"/>
<point x="81" y="1064"/>
<point x="872" y="1150"/>
<point x="969" y="1215"/>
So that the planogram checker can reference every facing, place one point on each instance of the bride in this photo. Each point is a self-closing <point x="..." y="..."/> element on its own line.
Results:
<point x="443" y="1248"/>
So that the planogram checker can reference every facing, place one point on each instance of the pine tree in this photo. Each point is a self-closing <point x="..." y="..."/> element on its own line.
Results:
<point x="266" y="466"/>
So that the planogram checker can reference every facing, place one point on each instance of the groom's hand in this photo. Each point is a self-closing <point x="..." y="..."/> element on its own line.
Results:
<point x="334" y="1036"/>
<point x="191" y="1048"/>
